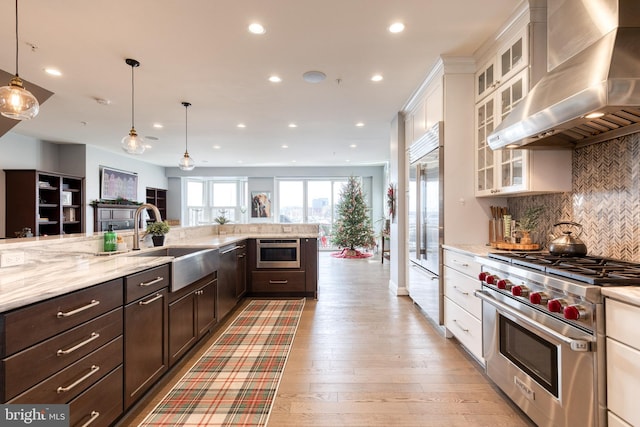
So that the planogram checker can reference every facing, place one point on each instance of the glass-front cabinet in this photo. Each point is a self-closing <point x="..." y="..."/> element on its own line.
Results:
<point x="502" y="170"/>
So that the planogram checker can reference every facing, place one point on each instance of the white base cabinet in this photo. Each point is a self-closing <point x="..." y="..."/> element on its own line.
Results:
<point x="623" y="369"/>
<point x="462" y="309"/>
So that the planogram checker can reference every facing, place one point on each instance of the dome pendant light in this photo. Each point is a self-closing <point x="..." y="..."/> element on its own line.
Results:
<point x="186" y="162"/>
<point x="133" y="143"/>
<point x="15" y="101"/>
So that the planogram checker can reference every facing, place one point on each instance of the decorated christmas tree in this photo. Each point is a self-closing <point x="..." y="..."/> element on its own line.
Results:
<point x="353" y="226"/>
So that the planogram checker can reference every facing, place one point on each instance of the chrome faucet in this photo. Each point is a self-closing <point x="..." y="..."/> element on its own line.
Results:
<point x="136" y="222"/>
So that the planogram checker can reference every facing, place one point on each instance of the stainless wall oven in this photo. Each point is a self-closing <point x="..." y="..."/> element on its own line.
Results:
<point x="277" y="253"/>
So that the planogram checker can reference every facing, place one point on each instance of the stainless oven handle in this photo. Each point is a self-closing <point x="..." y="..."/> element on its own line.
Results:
<point x="575" y="344"/>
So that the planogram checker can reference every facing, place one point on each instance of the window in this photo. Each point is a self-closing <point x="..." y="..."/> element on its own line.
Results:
<point x="210" y="198"/>
<point x="291" y="201"/>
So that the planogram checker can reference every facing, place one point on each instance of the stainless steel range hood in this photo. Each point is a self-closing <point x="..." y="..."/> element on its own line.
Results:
<point x="603" y="77"/>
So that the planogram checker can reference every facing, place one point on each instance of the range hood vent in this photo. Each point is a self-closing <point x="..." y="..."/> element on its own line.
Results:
<point x="602" y="78"/>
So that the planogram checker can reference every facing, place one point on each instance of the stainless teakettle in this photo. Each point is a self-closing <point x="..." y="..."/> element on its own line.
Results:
<point x="566" y="244"/>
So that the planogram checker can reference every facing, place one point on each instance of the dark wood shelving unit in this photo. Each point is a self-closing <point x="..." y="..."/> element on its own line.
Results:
<point x="48" y="203"/>
<point x="158" y="197"/>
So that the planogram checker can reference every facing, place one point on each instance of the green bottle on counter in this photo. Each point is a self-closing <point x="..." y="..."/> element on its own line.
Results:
<point x="110" y="240"/>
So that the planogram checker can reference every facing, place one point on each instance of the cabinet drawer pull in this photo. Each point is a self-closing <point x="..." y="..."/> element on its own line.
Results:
<point x="153" y="282"/>
<point x="94" y="336"/>
<point x="462" y="292"/>
<point x="460" y="263"/>
<point x="278" y="282"/>
<point x="94" y="416"/>
<point x="156" y="297"/>
<point x="92" y="371"/>
<point x="93" y="303"/>
<point x="460" y="326"/>
<point x="241" y="255"/>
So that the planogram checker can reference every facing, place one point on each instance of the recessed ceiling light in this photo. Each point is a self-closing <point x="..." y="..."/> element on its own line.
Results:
<point x="376" y="78"/>
<point x="314" y="76"/>
<point x="293" y="161"/>
<point x="216" y="147"/>
<point x="348" y="161"/>
<point x="396" y="27"/>
<point x="239" y="161"/>
<point x="158" y="125"/>
<point x="359" y="124"/>
<point x="242" y="125"/>
<point x="293" y="125"/>
<point x="275" y="79"/>
<point x="256" y="28"/>
<point x="353" y="146"/>
<point x="53" y="72"/>
<point x="284" y="146"/>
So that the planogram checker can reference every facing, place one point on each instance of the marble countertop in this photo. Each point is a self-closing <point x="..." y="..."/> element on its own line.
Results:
<point x="48" y="273"/>
<point x="473" y="250"/>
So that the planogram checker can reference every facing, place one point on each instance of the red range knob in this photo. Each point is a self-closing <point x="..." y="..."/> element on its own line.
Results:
<point x="555" y="306"/>
<point x="490" y="280"/>
<point x="519" y="291"/>
<point x="483" y="276"/>
<point x="574" y="312"/>
<point x="504" y="284"/>
<point x="538" y="298"/>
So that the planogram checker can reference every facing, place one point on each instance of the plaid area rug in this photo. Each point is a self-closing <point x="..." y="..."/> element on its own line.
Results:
<point x="235" y="381"/>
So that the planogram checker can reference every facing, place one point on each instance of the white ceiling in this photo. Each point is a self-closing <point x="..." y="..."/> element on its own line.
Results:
<point x="200" y="51"/>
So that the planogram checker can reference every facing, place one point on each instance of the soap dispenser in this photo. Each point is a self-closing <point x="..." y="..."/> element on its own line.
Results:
<point x="110" y="240"/>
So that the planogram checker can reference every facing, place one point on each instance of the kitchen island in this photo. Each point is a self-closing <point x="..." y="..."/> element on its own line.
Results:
<point x="90" y="324"/>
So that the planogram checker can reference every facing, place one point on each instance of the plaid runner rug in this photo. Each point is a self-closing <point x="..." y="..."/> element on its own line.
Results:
<point x="235" y="381"/>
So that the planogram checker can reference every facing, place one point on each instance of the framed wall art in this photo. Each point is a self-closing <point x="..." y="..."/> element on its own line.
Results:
<point x="117" y="184"/>
<point x="260" y="204"/>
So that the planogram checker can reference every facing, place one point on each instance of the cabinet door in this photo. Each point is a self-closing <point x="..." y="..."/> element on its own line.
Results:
<point x="182" y="326"/>
<point x="241" y="271"/>
<point x="513" y="55"/>
<point x="486" y="79"/>
<point x="513" y="163"/>
<point x="485" y="162"/>
<point x="227" y="277"/>
<point x="146" y="346"/>
<point x="206" y="304"/>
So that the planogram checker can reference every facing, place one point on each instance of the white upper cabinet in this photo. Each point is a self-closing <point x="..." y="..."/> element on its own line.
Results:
<point x="502" y="81"/>
<point x="425" y="113"/>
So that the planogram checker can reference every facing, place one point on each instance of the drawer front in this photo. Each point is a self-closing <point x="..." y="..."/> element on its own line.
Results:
<point x="70" y="382"/>
<point x="621" y="321"/>
<point x="52" y="355"/>
<point x="143" y="283"/>
<point x="459" y="288"/>
<point x="278" y="281"/>
<point x="463" y="263"/>
<point x="466" y="328"/>
<point x="93" y="406"/>
<point x="30" y="325"/>
<point x="623" y="381"/>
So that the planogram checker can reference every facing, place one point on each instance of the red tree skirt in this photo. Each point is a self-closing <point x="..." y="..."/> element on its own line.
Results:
<point x="350" y="253"/>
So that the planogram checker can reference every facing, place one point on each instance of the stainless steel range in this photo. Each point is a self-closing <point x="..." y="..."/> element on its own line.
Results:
<point x="543" y="332"/>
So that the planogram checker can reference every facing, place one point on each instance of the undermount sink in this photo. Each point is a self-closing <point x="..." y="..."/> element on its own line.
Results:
<point x="188" y="265"/>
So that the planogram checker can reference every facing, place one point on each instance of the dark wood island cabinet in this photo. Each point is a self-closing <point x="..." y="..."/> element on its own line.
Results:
<point x="146" y="354"/>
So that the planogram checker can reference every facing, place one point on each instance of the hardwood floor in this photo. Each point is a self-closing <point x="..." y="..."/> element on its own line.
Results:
<point x="365" y="357"/>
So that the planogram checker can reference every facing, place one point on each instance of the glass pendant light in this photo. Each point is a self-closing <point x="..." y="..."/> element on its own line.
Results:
<point x="133" y="143"/>
<point x="186" y="162"/>
<point x="15" y="101"/>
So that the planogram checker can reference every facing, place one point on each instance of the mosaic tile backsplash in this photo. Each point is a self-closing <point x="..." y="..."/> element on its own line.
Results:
<point x="605" y="199"/>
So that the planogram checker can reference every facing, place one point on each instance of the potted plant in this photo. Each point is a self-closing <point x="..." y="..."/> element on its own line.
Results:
<point x="529" y="222"/>
<point x="222" y="218"/>
<point x="158" y="229"/>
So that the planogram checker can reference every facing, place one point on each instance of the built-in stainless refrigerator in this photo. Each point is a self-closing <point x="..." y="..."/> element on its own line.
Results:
<point x="426" y="222"/>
